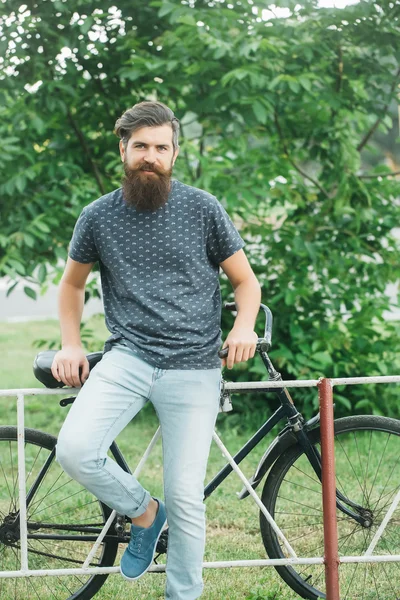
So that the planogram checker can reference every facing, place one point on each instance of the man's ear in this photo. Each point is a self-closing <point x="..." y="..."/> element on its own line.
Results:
<point x="121" y="150"/>
<point x="176" y="154"/>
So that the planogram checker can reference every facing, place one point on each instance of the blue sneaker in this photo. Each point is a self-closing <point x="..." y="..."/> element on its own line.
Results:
<point x="141" y="549"/>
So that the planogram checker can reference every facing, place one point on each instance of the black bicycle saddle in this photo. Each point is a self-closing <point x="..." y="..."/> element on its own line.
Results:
<point x="42" y="367"/>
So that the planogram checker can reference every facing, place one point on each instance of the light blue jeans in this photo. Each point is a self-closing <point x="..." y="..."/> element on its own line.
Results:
<point x="187" y="403"/>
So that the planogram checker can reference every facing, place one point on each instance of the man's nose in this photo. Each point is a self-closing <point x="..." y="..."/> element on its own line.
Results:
<point x="150" y="155"/>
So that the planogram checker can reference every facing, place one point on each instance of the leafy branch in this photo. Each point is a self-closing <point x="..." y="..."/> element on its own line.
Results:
<point x="299" y="169"/>
<point x="87" y="152"/>
<point x="186" y="155"/>
<point x="391" y="174"/>
<point x="366" y="138"/>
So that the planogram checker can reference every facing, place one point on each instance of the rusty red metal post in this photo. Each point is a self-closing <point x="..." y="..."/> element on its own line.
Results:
<point x="331" y="552"/>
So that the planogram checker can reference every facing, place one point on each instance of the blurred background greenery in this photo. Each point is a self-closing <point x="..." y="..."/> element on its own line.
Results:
<point x="289" y="117"/>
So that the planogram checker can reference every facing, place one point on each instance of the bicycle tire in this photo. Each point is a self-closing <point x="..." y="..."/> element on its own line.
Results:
<point x="58" y="498"/>
<point x="367" y="457"/>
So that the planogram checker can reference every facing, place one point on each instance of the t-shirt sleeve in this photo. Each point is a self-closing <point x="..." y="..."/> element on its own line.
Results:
<point x="82" y="247"/>
<point x="223" y="238"/>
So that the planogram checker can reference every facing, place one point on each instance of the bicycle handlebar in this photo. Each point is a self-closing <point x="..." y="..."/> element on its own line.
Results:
<point x="263" y="344"/>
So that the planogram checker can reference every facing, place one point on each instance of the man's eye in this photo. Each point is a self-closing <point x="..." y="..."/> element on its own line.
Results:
<point x="142" y="145"/>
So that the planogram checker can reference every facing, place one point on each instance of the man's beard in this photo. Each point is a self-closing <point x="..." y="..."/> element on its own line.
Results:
<point x="146" y="192"/>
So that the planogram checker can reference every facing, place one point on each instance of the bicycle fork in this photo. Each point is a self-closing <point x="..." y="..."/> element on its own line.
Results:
<point x="296" y="424"/>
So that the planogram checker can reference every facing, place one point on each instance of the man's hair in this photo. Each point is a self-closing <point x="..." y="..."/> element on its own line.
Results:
<point x="146" y="114"/>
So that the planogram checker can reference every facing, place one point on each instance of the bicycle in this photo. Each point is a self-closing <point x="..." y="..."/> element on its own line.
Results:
<point x="64" y="519"/>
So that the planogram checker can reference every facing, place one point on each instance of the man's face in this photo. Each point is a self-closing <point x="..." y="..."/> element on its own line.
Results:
<point x="148" y="161"/>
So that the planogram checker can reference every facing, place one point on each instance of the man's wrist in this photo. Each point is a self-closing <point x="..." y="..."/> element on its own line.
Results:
<point x="244" y="323"/>
<point x="65" y="345"/>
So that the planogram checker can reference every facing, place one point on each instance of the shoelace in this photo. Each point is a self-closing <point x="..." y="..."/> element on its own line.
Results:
<point x="136" y="541"/>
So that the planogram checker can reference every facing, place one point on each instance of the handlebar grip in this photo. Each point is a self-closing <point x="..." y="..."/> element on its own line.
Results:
<point x="267" y="328"/>
<point x="268" y="323"/>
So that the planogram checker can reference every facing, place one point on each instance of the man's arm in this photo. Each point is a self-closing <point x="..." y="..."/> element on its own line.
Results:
<point x="242" y="338"/>
<point x="71" y="295"/>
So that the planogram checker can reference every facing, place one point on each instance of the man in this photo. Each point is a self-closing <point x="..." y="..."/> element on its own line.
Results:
<point x="159" y="244"/>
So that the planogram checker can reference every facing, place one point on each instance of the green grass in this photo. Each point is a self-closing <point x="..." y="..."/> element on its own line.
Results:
<point x="232" y="525"/>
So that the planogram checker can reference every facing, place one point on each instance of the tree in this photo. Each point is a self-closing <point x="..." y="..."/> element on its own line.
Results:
<point x="276" y="114"/>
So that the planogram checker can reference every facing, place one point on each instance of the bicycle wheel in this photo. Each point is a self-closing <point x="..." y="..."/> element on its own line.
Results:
<point x="58" y="516"/>
<point x="367" y="456"/>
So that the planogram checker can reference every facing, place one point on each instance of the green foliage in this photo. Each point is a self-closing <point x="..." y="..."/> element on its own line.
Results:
<point x="277" y="118"/>
<point x="92" y="334"/>
<point x="260" y="594"/>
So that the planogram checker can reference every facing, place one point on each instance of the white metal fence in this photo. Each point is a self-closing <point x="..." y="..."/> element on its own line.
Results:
<point x="293" y="559"/>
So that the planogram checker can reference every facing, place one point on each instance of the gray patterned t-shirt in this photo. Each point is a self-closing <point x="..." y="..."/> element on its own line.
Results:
<point x="160" y="273"/>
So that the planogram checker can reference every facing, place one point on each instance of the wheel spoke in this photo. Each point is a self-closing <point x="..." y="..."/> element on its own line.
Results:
<point x="64" y="512"/>
<point x="379" y="466"/>
<point x="14" y="480"/>
<point x="299" y="485"/>
<point x="40" y="500"/>
<point x="305" y="474"/>
<point x="351" y="581"/>
<point x="301" y="504"/>
<point x="8" y="487"/>
<point x="51" y="492"/>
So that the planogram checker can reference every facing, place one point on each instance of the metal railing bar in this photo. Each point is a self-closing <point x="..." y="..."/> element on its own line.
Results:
<point x="382" y="526"/>
<point x="254" y="495"/>
<point x="274" y="562"/>
<point x="228" y="385"/>
<point x="112" y="516"/>
<point x="22" y="483"/>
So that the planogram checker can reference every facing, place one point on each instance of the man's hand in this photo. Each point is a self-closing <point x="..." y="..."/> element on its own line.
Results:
<point x="66" y="365"/>
<point x="242" y="345"/>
